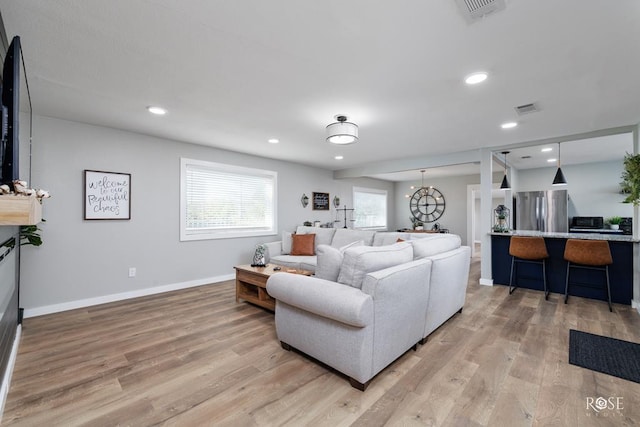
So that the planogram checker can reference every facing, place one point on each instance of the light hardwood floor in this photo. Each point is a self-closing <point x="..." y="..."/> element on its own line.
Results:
<point x="195" y="358"/>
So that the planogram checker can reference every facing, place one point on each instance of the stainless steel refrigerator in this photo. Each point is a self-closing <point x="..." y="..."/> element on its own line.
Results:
<point x="542" y="211"/>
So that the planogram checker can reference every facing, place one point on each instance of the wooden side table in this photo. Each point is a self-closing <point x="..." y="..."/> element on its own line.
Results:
<point x="251" y="283"/>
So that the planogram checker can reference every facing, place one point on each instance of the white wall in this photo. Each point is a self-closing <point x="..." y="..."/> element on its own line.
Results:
<point x="594" y="188"/>
<point x="454" y="190"/>
<point x="84" y="260"/>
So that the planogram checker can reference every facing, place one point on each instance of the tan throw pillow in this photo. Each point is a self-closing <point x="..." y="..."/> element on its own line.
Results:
<point x="302" y="244"/>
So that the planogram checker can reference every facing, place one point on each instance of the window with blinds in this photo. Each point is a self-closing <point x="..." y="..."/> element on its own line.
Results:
<point x="370" y="208"/>
<point x="221" y="201"/>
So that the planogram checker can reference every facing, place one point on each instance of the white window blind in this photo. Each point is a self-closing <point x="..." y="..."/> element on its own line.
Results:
<point x="370" y="206"/>
<point x="221" y="201"/>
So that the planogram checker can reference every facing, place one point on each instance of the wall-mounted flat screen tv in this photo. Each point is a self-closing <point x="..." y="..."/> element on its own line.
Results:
<point x="9" y="142"/>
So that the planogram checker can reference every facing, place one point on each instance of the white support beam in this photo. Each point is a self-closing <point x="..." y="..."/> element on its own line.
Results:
<point x="486" y="215"/>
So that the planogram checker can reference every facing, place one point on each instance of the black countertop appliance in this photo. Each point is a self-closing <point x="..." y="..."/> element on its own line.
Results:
<point x="595" y="224"/>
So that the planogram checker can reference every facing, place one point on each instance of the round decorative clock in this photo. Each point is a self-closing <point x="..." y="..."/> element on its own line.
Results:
<point x="427" y="204"/>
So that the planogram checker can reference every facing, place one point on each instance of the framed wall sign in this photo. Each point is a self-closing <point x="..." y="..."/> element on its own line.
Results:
<point x="320" y="201"/>
<point x="107" y="195"/>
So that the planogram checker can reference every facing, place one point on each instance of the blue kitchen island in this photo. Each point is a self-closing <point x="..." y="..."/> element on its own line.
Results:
<point x="621" y="272"/>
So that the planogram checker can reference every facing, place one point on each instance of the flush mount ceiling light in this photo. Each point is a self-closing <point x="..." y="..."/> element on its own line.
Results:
<point x="505" y="182"/>
<point x="475" y="78"/>
<point x="273" y="141"/>
<point x="509" y="125"/>
<point x="159" y="111"/>
<point x="339" y="157"/>
<point x="342" y="132"/>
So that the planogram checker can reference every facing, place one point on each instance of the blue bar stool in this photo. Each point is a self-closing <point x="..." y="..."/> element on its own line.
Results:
<point x="589" y="254"/>
<point x="528" y="250"/>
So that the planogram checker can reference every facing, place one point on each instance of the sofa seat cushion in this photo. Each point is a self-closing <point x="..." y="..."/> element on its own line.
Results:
<point x="295" y="261"/>
<point x="434" y="244"/>
<point x="359" y="261"/>
<point x="344" y="236"/>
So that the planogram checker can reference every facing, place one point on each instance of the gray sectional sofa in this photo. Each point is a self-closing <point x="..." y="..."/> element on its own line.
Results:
<point x="279" y="252"/>
<point x="370" y="300"/>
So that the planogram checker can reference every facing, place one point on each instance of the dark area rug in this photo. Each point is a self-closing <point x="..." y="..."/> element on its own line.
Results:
<point x="603" y="354"/>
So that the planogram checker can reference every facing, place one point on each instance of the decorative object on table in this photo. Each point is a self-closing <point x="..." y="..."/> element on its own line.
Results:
<point x="614" y="222"/>
<point x="631" y="179"/>
<point x="107" y="195"/>
<point x="345" y="210"/>
<point x="427" y="203"/>
<point x="501" y="215"/>
<point x="505" y="182"/>
<point x="304" y="200"/>
<point x="21" y="188"/>
<point x="336" y="201"/>
<point x="416" y="224"/>
<point x="342" y="132"/>
<point x="259" y="257"/>
<point x="320" y="202"/>
<point x="307" y="224"/>
<point x="21" y="205"/>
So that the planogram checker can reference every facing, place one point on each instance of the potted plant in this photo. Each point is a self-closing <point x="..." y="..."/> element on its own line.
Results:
<point x="631" y="179"/>
<point x="614" y="222"/>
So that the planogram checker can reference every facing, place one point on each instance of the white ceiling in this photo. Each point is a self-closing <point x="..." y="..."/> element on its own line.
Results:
<point x="235" y="73"/>
<point x="573" y="152"/>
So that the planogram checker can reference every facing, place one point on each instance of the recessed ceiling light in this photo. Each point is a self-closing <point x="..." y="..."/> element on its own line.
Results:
<point x="157" y="110"/>
<point x="546" y="149"/>
<point x="551" y="160"/>
<point x="339" y="157"/>
<point x="508" y="125"/>
<point x="475" y="78"/>
<point x="273" y="141"/>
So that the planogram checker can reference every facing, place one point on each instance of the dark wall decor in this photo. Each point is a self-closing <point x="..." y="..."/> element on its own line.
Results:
<point x="107" y="195"/>
<point x="321" y="201"/>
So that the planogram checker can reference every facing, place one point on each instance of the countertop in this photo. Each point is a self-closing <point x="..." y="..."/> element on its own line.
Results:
<point x="585" y="236"/>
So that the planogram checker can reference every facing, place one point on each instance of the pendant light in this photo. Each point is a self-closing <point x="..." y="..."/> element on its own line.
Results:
<point x="559" y="179"/>
<point x="505" y="182"/>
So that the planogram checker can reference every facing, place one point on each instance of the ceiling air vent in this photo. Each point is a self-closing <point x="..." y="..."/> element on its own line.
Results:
<point x="526" y="109"/>
<point x="474" y="10"/>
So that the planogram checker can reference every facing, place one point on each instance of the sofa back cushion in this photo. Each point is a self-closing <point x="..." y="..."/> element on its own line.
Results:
<point x="344" y="236"/>
<point x="287" y="241"/>
<point x="329" y="260"/>
<point x="383" y="238"/>
<point x="323" y="235"/>
<point x="359" y="261"/>
<point x="434" y="244"/>
<point x="303" y="244"/>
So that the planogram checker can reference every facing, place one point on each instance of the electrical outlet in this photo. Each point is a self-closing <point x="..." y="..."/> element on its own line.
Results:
<point x="132" y="272"/>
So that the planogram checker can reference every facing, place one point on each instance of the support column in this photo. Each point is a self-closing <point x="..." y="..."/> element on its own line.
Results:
<point x="635" y="302"/>
<point x="486" y="215"/>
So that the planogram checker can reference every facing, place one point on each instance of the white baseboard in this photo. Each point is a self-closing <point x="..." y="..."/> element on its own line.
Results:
<point x="6" y="382"/>
<point x="486" y="282"/>
<point x="72" y="305"/>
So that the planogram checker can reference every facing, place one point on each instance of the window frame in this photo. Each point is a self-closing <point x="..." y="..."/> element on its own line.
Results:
<point x="227" y="233"/>
<point x="386" y="206"/>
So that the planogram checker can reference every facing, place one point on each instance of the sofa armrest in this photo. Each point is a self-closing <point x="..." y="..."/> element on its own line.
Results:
<point x="273" y="249"/>
<point x="322" y="297"/>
